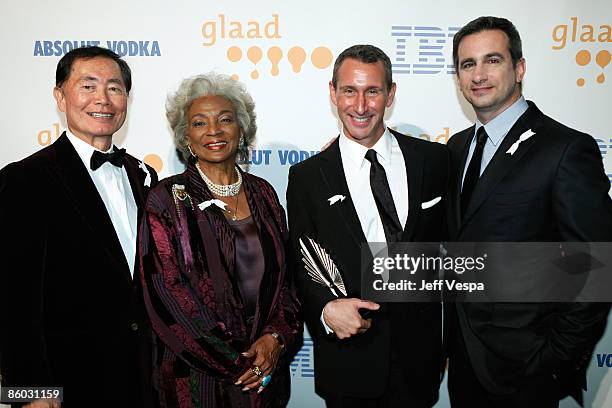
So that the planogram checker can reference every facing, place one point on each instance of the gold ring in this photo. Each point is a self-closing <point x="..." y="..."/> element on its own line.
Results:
<point x="257" y="371"/>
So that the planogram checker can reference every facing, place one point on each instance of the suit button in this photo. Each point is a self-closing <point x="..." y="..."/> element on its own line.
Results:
<point x="134" y="326"/>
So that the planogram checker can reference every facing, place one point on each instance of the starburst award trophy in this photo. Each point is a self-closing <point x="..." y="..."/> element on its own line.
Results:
<point x="320" y="267"/>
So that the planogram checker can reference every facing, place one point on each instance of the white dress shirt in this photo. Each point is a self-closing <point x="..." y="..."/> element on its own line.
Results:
<point x="114" y="188"/>
<point x="357" y="174"/>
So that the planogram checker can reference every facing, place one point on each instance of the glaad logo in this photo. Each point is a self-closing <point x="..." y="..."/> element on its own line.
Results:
<point x="222" y="28"/>
<point x="57" y="48"/>
<point x="433" y="49"/>
<point x="321" y="57"/>
<point x="211" y="30"/>
<point x="46" y="137"/>
<point x="438" y="138"/>
<point x="585" y="34"/>
<point x="583" y="57"/>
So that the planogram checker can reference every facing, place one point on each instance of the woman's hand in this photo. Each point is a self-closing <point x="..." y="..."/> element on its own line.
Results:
<point x="266" y="351"/>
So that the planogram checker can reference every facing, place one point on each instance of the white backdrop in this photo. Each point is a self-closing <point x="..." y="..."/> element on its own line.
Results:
<point x="284" y="52"/>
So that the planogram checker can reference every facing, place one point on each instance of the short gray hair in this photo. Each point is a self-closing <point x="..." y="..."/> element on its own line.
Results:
<point x="211" y="84"/>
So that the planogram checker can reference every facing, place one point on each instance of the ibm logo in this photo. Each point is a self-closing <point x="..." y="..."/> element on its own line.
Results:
<point x="604" y="146"/>
<point x="303" y="360"/>
<point x="603" y="149"/>
<point x="434" y="49"/>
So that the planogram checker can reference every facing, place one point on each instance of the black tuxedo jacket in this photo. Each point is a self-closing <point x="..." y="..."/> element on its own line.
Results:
<point x="553" y="188"/>
<point x="359" y="366"/>
<point x="71" y="314"/>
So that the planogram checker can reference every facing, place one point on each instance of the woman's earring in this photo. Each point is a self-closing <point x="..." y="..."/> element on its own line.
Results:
<point x="191" y="151"/>
<point x="242" y="142"/>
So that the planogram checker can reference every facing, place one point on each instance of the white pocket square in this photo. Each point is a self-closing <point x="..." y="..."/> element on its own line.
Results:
<point x="334" y="199"/>
<point x="431" y="203"/>
<point x="203" y="205"/>
<point x="516" y="144"/>
<point x="143" y="167"/>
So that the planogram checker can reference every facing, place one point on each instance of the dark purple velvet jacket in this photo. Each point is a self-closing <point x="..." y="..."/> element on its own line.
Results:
<point x="187" y="257"/>
<point x="70" y="313"/>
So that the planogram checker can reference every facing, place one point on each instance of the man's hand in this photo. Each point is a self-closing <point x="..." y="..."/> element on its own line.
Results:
<point x="342" y="316"/>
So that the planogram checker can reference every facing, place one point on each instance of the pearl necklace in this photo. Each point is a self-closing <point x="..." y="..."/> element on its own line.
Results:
<point x="222" y="190"/>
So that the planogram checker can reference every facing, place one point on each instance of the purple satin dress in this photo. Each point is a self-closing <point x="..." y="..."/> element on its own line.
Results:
<point x="250" y="264"/>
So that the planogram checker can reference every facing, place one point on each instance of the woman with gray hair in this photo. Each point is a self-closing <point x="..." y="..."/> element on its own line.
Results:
<point x="213" y="248"/>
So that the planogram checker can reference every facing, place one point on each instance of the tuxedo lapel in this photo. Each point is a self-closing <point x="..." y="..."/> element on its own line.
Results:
<point x="464" y="140"/>
<point x="414" y="174"/>
<point x="502" y="162"/>
<point x="72" y="177"/>
<point x="332" y="173"/>
<point x="137" y="176"/>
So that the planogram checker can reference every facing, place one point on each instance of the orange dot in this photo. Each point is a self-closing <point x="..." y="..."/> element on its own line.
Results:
<point x="154" y="161"/>
<point x="580" y="82"/>
<point x="234" y="54"/>
<point x="275" y="54"/>
<point x="601" y="78"/>
<point x="235" y="77"/>
<point x="603" y="58"/>
<point x="254" y="53"/>
<point x="583" y="57"/>
<point x="321" y="57"/>
<point x="296" y="57"/>
<point x="255" y="74"/>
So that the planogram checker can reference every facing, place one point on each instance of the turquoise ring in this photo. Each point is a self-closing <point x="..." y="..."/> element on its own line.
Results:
<point x="266" y="380"/>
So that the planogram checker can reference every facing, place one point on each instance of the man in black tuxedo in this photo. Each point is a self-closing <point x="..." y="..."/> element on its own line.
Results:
<point x="370" y="185"/>
<point x="518" y="175"/>
<point x="70" y="307"/>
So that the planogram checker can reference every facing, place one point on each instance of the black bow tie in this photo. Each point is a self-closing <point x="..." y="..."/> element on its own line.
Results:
<point x="116" y="158"/>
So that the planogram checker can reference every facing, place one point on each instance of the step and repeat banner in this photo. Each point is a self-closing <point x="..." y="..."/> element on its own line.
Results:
<point x="284" y="53"/>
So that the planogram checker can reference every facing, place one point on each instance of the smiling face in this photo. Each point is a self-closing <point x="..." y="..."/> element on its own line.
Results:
<point x="487" y="77"/>
<point x="361" y="97"/>
<point x="93" y="98"/>
<point x="213" y="130"/>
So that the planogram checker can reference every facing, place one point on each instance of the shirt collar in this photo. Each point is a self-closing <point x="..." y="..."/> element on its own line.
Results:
<point x="502" y="123"/>
<point x="84" y="149"/>
<point x="355" y="152"/>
